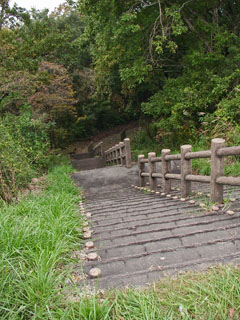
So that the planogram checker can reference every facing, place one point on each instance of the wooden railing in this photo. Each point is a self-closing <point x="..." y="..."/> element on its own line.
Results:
<point x="90" y="147"/>
<point x="119" y="154"/>
<point x="217" y="179"/>
<point x="98" y="150"/>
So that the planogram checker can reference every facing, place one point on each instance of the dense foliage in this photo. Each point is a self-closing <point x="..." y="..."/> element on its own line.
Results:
<point x="93" y="64"/>
<point x="174" y="62"/>
<point x="23" y="152"/>
<point x="39" y="58"/>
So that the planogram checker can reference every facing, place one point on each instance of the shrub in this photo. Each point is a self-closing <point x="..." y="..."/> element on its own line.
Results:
<point x="23" y="151"/>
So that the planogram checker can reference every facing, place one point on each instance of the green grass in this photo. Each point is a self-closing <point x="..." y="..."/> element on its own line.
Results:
<point x="211" y="295"/>
<point x="37" y="236"/>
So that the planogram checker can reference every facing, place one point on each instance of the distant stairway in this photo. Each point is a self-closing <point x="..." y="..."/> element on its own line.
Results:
<point x="90" y="160"/>
<point x="87" y="163"/>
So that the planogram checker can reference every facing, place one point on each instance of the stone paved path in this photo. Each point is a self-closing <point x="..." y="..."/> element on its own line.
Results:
<point x="142" y="237"/>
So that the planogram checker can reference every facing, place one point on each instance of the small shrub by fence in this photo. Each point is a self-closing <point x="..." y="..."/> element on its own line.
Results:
<point x="217" y="179"/>
<point x="119" y="154"/>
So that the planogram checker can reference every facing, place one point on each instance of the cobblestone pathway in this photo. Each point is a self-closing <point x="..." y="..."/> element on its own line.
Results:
<point x="141" y="237"/>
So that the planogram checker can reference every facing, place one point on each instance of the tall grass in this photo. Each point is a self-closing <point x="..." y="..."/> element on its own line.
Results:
<point x="204" y="296"/>
<point x="36" y="238"/>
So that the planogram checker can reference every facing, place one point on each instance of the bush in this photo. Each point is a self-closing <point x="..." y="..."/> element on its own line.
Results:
<point x="23" y="151"/>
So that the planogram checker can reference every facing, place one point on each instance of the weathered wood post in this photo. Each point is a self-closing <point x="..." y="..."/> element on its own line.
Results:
<point x="106" y="156"/>
<point x="121" y="145"/>
<point x="217" y="170"/>
<point x="117" y="158"/>
<point x="116" y="153"/>
<point x="152" y="169"/>
<point x="186" y="168"/>
<point x="166" y="168"/>
<point x="128" y="153"/>
<point x="111" y="155"/>
<point x="141" y="168"/>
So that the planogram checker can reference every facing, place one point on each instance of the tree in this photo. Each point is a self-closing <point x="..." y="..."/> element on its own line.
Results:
<point x="11" y="17"/>
<point x="54" y="100"/>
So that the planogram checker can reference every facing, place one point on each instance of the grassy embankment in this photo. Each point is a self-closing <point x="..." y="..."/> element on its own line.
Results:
<point x="37" y="237"/>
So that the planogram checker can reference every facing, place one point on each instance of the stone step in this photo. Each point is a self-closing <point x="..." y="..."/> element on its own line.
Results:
<point x="80" y="156"/>
<point x="88" y="163"/>
<point x="160" y="270"/>
<point x="146" y="236"/>
<point x="140" y="237"/>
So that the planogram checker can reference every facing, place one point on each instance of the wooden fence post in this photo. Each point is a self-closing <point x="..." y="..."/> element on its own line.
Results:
<point x="166" y="168"/>
<point x="152" y="168"/>
<point x="128" y="153"/>
<point x="106" y="156"/>
<point x="116" y="153"/>
<point x="111" y="155"/>
<point x="186" y="168"/>
<point x="141" y="167"/>
<point x="217" y="170"/>
<point x="121" y="144"/>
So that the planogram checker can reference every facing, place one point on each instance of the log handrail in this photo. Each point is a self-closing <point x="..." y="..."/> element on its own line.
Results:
<point x="120" y="154"/>
<point x="216" y="179"/>
<point x="98" y="149"/>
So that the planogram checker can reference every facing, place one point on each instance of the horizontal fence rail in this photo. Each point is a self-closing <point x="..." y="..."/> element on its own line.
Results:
<point x="119" y="154"/>
<point x="217" y="179"/>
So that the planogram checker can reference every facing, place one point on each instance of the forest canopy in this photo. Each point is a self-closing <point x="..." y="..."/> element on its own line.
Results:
<point x="174" y="65"/>
<point x="171" y="63"/>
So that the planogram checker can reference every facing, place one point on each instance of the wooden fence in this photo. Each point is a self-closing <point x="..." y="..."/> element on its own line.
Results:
<point x="98" y="150"/>
<point x="217" y="179"/>
<point x="119" y="154"/>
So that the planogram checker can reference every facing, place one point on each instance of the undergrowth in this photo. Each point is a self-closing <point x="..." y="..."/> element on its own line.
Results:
<point x="24" y="151"/>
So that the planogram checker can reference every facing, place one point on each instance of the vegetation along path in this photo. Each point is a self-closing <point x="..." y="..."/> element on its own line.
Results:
<point x="140" y="237"/>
